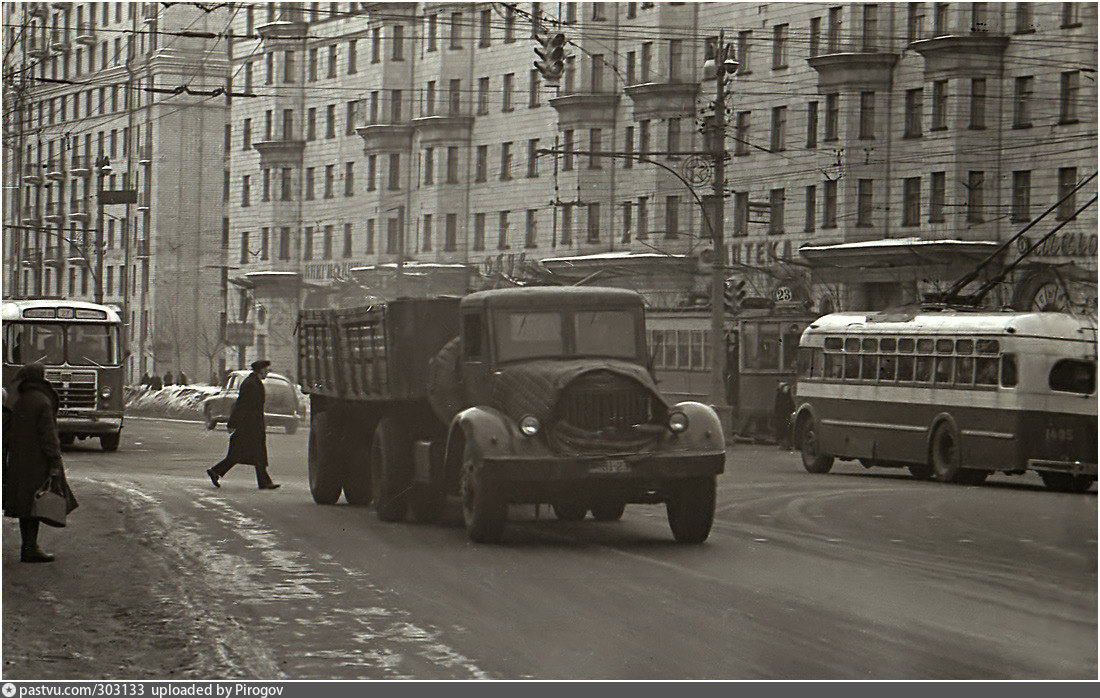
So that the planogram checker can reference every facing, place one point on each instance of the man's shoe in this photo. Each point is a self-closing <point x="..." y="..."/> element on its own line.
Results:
<point x="214" y="477"/>
<point x="270" y="486"/>
<point x="35" y="554"/>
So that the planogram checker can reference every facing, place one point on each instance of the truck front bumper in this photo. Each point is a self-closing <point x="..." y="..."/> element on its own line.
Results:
<point x="627" y="468"/>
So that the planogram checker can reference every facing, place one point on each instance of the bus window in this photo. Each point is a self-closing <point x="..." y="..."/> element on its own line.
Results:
<point x="986" y="373"/>
<point x="91" y="345"/>
<point x="888" y="345"/>
<point x="887" y="367"/>
<point x="905" y="345"/>
<point x="1008" y="370"/>
<point x="817" y="364"/>
<point x="851" y="344"/>
<point x="851" y="366"/>
<point x="905" y="368"/>
<point x="834" y="366"/>
<point x="964" y="370"/>
<point x="834" y="343"/>
<point x="989" y="346"/>
<point x="1073" y="376"/>
<point x="944" y="368"/>
<point x="35" y="343"/>
<point x="945" y="346"/>
<point x="924" y="369"/>
<point x="964" y="346"/>
<point x="924" y="346"/>
<point x="870" y="366"/>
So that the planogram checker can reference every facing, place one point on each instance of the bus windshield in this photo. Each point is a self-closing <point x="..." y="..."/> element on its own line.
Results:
<point x="51" y="343"/>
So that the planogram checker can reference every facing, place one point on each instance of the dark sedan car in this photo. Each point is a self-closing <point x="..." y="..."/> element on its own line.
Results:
<point x="281" y="406"/>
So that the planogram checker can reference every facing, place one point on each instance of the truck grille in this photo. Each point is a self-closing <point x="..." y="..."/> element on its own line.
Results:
<point x="605" y="402"/>
<point x="75" y="389"/>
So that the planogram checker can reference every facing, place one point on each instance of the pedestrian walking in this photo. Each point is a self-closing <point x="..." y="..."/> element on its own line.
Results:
<point x="181" y="379"/>
<point x="784" y="407"/>
<point x="33" y="456"/>
<point x="155" y="382"/>
<point x="145" y="380"/>
<point x="248" y="434"/>
<point x="168" y="380"/>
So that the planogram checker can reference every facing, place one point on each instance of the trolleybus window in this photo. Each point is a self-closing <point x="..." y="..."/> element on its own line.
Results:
<point x="905" y="367"/>
<point x="986" y="371"/>
<point x="1073" y="376"/>
<point x="964" y="370"/>
<point x="1008" y="370"/>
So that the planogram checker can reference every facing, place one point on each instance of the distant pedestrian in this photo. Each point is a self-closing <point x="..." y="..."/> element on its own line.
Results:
<point x="248" y="434"/>
<point x="784" y="408"/>
<point x="168" y="380"/>
<point x="34" y="456"/>
<point x="181" y="379"/>
<point x="145" y="380"/>
<point x="155" y="383"/>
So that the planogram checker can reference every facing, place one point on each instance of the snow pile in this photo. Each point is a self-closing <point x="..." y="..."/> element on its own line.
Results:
<point x="177" y="401"/>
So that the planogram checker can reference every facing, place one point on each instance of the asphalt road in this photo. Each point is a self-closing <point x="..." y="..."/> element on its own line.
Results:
<point x="855" y="574"/>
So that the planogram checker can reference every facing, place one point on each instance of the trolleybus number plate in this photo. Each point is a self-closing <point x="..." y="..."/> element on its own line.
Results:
<point x="611" y="466"/>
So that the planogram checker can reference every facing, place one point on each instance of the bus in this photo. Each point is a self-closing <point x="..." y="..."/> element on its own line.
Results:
<point x="951" y="395"/>
<point x="80" y="345"/>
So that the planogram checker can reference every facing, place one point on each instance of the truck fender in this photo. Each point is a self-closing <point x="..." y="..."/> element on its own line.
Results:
<point x="704" y="432"/>
<point x="486" y="428"/>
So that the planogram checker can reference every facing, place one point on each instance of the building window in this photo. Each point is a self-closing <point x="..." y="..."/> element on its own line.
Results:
<point x="347" y="240"/>
<point x="429" y="166"/>
<point x="376" y="46"/>
<point x="530" y="238"/>
<point x="779" y="46"/>
<point x="911" y="204"/>
<point x="533" y="90"/>
<point x="744" y="45"/>
<point x="1021" y="113"/>
<point x="740" y="213"/>
<point x="811" y="209"/>
<point x="977" y="103"/>
<point x="246" y="253"/>
<point x="285" y="184"/>
<point x="673" y="138"/>
<point x="288" y="124"/>
<point x="1023" y="18"/>
<point x="979" y="17"/>
<point x="481" y="167"/>
<point x="327" y="242"/>
<point x="433" y="32"/>
<point x="628" y="146"/>
<point x="264" y="243"/>
<point x="832" y="115"/>
<point x="1067" y="101"/>
<point x="456" y="30"/>
<point x="505" y="161"/>
<point x="330" y="176"/>
<point x="284" y="243"/>
<point x="1067" y="180"/>
<point x="641" y="230"/>
<point x="628" y="209"/>
<point x="776" y="200"/>
<point x="427" y="233"/>
<point x="394" y="183"/>
<point x="835" y="25"/>
<point x="596" y="84"/>
<point x="353" y="57"/>
<point x="309" y="183"/>
<point x="939" y="105"/>
<point x="288" y="66"/>
<point x="372" y="171"/>
<point x="567" y="146"/>
<point x="369" y="247"/>
<point x="647" y="60"/>
<point x="532" y="157"/>
<point x="864" y="203"/>
<point x="866" y="115"/>
<point x="245" y="191"/>
<point x="1021" y="196"/>
<point x="595" y="139"/>
<point x="975" y="182"/>
<point x="452" y="164"/>
<point x="266" y="188"/>
<point x="915" y="23"/>
<point x="1070" y="16"/>
<point x="332" y="49"/>
<point x="779" y="126"/>
<point x="741" y="133"/>
<point x="568" y="75"/>
<point x="914" y="108"/>
<point x="352" y="118"/>
<point x="506" y="103"/>
<point x="479" y="232"/>
<point x="330" y="121"/>
<point x="672" y="216"/>
<point x="811" y="125"/>
<point x="502" y="230"/>
<point x="593" y="222"/>
<point x="246" y="135"/>
<point x="393" y="235"/>
<point x="870" y="28"/>
<point x="311" y="124"/>
<point x="509" y="24"/>
<point x="349" y="179"/>
<point x="484" y="39"/>
<point x="482" y="96"/>
<point x="937" y="200"/>
<point x="815" y="36"/>
<point x="940" y="25"/>
<point x="450" y="232"/>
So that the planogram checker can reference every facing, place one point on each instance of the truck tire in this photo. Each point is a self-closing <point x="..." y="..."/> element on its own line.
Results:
<point x="484" y="510"/>
<point x="326" y="472"/>
<point x="812" y="459"/>
<point x="390" y="470"/>
<point x="427" y="503"/>
<point x="569" y="511"/>
<point x="109" y="442"/>
<point x="690" y="509"/>
<point x="608" y="511"/>
<point x="357" y="480"/>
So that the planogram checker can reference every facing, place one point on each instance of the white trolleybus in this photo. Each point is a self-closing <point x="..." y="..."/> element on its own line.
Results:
<point x="80" y="346"/>
<point x="951" y="395"/>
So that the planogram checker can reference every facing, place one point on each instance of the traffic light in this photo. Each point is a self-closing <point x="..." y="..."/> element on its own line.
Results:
<point x="551" y="53"/>
<point x="734" y="294"/>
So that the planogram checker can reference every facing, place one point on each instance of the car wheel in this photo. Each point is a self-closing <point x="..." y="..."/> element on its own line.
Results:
<point x="690" y="509"/>
<point x="484" y="509"/>
<point x="109" y="442"/>
<point x="390" y="470"/>
<point x="1066" y="482"/>
<point x="569" y="511"/>
<point x="608" y="511"/>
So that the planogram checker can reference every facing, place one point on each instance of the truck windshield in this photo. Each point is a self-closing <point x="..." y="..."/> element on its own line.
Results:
<point x="528" y="335"/>
<point x="606" y="333"/>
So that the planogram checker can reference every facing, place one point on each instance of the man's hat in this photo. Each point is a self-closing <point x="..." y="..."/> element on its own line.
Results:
<point x="261" y="363"/>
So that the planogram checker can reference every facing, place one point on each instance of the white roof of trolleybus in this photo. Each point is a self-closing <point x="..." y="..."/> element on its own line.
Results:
<point x="1049" y="325"/>
<point x="13" y="310"/>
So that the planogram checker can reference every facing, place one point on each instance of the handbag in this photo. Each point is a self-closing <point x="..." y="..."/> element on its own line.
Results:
<point x="50" y="505"/>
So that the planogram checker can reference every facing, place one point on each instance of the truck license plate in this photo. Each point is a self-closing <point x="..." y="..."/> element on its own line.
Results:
<point x="611" y="466"/>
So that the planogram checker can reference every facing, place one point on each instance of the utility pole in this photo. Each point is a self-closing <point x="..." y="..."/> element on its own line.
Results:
<point x="102" y="167"/>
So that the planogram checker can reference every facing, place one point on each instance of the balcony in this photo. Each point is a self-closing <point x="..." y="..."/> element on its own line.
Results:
<point x="386" y="137"/>
<point x="85" y="33"/>
<point x="78" y="210"/>
<point x="661" y="100"/>
<point x="962" y="55"/>
<point x="289" y="27"/>
<point x="284" y="152"/>
<point x="59" y="40"/>
<point x="149" y="13"/>
<point x="144" y="155"/>
<point x="38" y="9"/>
<point x="55" y="169"/>
<point x="854" y="71"/>
<point x="32" y="174"/>
<point x="142" y="250"/>
<point x="36" y="45"/>
<point x="440" y="129"/>
<point x="144" y="200"/>
<point x="55" y="212"/>
<point x="32" y="215"/>
<point x="586" y="110"/>
<point x="80" y="166"/>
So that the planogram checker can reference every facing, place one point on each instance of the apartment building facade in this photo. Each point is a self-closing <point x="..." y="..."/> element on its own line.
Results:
<point x="120" y="96"/>
<point x="875" y="151"/>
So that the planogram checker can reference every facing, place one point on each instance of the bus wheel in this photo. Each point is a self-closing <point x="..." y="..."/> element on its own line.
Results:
<point x="608" y="511"/>
<point x="326" y="472"/>
<point x="944" y="454"/>
<point x="1065" y="482"/>
<point x="569" y="511"/>
<point x="812" y="460"/>
<point x="690" y="509"/>
<point x="390" y="470"/>
<point x="109" y="442"/>
<point x="921" y="471"/>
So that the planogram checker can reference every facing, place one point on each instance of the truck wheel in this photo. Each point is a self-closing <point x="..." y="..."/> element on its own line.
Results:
<point x="690" y="509"/>
<point x="390" y="470"/>
<point x="569" y="511"/>
<point x="484" y="510"/>
<point x="357" y="480"/>
<point x="109" y="442"/>
<point x="427" y="504"/>
<point x="608" y="511"/>
<point x="812" y="459"/>
<point x="326" y="473"/>
<point x="66" y="439"/>
<point x="943" y="454"/>
<point x="1065" y="482"/>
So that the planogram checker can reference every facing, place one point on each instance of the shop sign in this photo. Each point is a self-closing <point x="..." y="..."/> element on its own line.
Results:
<point x="759" y="252"/>
<point x="1064" y="245"/>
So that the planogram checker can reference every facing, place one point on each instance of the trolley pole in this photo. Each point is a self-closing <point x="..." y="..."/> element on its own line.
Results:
<point x="715" y="218"/>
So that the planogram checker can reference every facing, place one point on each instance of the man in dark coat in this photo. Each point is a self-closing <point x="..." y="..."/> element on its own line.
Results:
<point x="248" y="434"/>
<point x="784" y="407"/>
<point x="34" y="454"/>
<point x="168" y="380"/>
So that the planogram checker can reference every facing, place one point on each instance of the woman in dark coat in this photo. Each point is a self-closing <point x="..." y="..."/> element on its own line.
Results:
<point x="34" y="454"/>
<point x="248" y="433"/>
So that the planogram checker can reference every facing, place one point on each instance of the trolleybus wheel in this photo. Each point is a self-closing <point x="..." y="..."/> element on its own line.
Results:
<point x="484" y="510"/>
<point x="608" y="511"/>
<point x="390" y="470"/>
<point x="569" y="511"/>
<point x="943" y="454"/>
<point x="812" y="459"/>
<point x="690" y="509"/>
<point x="1065" y="482"/>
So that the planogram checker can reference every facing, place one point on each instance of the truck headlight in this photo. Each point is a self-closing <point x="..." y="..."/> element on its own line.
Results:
<point x="677" y="421"/>
<point x="105" y="393"/>
<point x="529" y="425"/>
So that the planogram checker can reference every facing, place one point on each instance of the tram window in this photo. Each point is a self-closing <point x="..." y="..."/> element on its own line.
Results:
<point x="763" y="353"/>
<point x="1008" y="371"/>
<point x="924" y="369"/>
<point x="964" y="346"/>
<point x="791" y="335"/>
<point x="989" y="346"/>
<point x="683" y="349"/>
<point x="817" y="364"/>
<point x="870" y="366"/>
<point x="834" y="366"/>
<point x="945" y="366"/>
<point x="851" y="367"/>
<point x="964" y="370"/>
<point x="1073" y="376"/>
<point x="924" y="346"/>
<point x="888" y="345"/>
<point x="697" y="349"/>
<point x="833" y="343"/>
<point x="905" y="368"/>
<point x="870" y="344"/>
<point x="905" y="345"/>
<point x="887" y="367"/>
<point x="851" y="344"/>
<point x="945" y="346"/>
<point x="986" y="373"/>
<point x="670" y="349"/>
